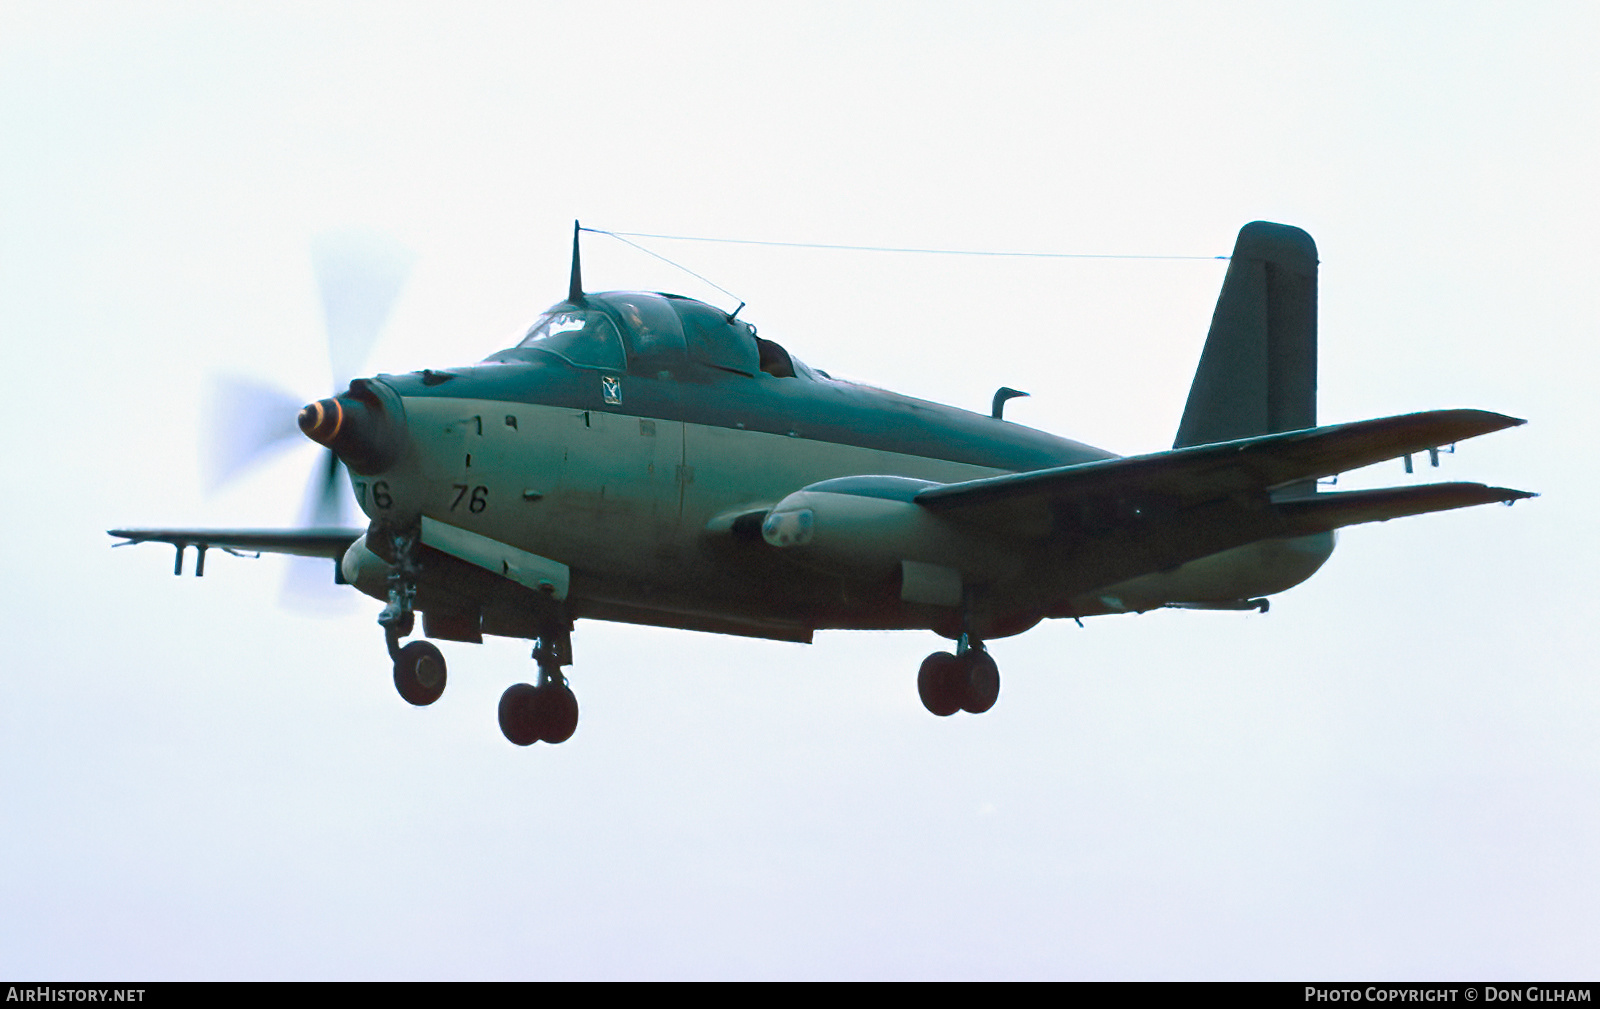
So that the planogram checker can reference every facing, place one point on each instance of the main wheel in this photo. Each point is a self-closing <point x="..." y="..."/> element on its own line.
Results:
<point x="558" y="713"/>
<point x="981" y="684"/>
<point x="939" y="683"/>
<point x="419" y="673"/>
<point x="519" y="713"/>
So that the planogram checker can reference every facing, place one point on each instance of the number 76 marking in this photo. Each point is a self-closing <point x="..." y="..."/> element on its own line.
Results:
<point x="477" y="502"/>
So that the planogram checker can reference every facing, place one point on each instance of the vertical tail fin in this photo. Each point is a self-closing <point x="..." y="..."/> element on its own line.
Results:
<point x="1258" y="372"/>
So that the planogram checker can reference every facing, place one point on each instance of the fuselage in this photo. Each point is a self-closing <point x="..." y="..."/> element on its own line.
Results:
<point x="633" y="472"/>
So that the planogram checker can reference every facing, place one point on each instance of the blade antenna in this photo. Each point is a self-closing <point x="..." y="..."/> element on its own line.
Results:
<point x="575" y="289"/>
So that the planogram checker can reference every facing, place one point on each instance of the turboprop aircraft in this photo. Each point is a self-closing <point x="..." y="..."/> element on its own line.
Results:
<point x="650" y="459"/>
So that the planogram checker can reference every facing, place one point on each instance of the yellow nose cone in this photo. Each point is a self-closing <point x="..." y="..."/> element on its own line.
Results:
<point x="320" y="421"/>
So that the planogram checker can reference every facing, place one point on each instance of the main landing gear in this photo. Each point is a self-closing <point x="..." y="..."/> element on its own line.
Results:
<point x="969" y="680"/>
<point x="548" y="711"/>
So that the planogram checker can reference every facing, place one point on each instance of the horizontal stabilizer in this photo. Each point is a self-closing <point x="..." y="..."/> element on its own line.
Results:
<point x="1347" y="508"/>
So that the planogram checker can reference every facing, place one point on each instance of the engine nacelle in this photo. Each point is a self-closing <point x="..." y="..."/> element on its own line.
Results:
<point x="365" y="569"/>
<point x="869" y="528"/>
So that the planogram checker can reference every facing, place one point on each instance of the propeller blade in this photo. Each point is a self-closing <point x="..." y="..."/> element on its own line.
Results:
<point x="308" y="585"/>
<point x="360" y="275"/>
<point x="309" y="588"/>
<point x="245" y="420"/>
<point x="325" y="494"/>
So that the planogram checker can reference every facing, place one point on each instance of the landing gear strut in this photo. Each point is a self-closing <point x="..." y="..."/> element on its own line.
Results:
<point x="548" y="711"/>
<point x="966" y="681"/>
<point x="419" y="668"/>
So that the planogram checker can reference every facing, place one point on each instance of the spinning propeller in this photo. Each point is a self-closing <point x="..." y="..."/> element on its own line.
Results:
<point x="359" y="276"/>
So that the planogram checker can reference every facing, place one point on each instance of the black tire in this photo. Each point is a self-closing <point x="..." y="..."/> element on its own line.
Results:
<point x="419" y="673"/>
<point x="519" y="713"/>
<point x="939" y="684"/>
<point x="981" y="682"/>
<point x="558" y="713"/>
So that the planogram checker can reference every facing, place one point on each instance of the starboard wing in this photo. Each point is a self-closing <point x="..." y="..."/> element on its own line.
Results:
<point x="1101" y="523"/>
<point x="1040" y="502"/>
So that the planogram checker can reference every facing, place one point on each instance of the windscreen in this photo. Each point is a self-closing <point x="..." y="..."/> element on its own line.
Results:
<point x="585" y="338"/>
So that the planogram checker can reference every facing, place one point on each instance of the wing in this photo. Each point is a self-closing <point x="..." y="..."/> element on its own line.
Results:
<point x="1100" y="523"/>
<point x="331" y="542"/>
<point x="1191" y="476"/>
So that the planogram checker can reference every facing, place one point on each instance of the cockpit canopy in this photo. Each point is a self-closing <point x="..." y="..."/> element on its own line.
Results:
<point x="654" y="335"/>
<point x="584" y="337"/>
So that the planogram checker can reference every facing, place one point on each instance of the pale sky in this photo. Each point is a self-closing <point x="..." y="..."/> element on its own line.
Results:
<point x="1394" y="774"/>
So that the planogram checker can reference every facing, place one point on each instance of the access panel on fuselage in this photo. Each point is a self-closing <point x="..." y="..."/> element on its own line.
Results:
<point x="618" y="505"/>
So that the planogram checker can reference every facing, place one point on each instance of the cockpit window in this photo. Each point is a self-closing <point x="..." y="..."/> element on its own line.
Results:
<point x="652" y="330"/>
<point x="584" y="337"/>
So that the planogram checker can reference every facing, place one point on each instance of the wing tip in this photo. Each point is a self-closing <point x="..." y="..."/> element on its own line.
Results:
<point x="1492" y="420"/>
<point x="1510" y="495"/>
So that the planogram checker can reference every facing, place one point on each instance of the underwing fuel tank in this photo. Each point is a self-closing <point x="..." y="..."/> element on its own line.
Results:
<point x="869" y="528"/>
<point x="365" y="426"/>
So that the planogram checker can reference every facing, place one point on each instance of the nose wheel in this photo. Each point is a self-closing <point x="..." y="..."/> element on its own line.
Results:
<point x="419" y="668"/>
<point x="419" y="673"/>
<point x="966" y="681"/>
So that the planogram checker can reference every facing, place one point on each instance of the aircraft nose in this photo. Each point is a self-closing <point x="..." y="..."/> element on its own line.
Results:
<point x="365" y="427"/>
